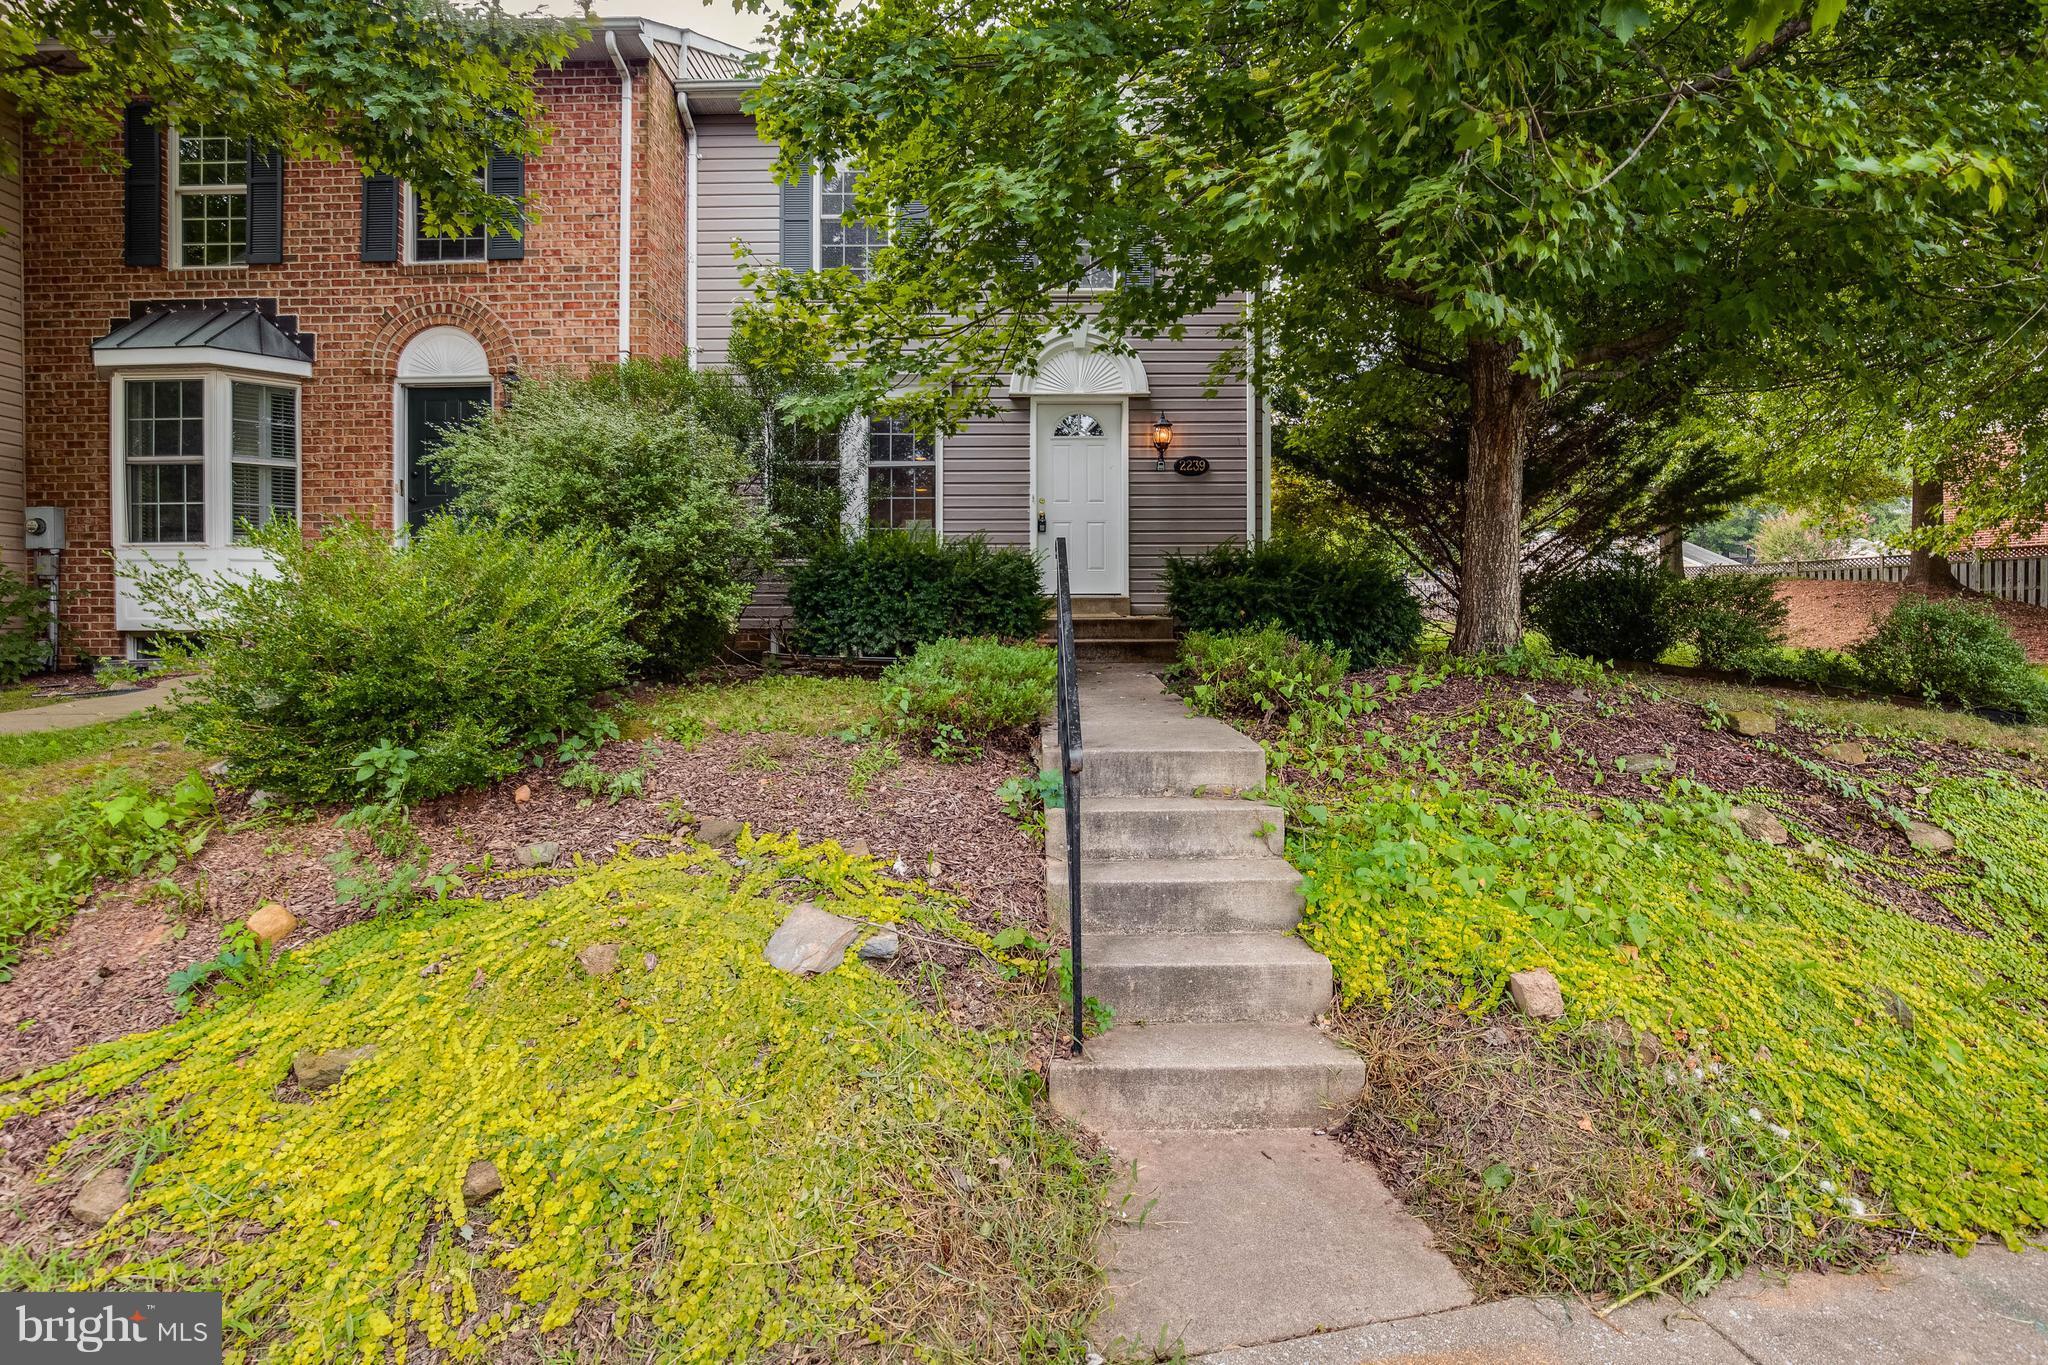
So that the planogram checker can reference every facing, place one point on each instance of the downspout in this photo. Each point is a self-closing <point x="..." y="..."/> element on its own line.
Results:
<point x="611" y="46"/>
<point x="689" y="214"/>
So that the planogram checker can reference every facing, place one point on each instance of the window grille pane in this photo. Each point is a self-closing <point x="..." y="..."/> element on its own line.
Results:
<point x="891" y="441"/>
<point x="167" y="504"/>
<point x="164" y="419"/>
<point x="211" y="199"/>
<point x="263" y="494"/>
<point x="842" y="243"/>
<point x="903" y="496"/>
<point x="208" y="158"/>
<point x="264" y="445"/>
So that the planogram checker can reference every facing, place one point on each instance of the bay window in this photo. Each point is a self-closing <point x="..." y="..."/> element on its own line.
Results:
<point x="204" y="457"/>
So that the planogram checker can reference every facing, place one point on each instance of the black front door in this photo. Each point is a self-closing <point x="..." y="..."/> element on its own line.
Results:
<point x="428" y="412"/>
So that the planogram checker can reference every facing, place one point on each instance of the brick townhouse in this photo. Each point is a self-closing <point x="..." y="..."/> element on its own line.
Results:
<point x="213" y="337"/>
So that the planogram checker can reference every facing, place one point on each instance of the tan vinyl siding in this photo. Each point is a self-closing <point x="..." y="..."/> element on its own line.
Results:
<point x="12" y="415"/>
<point x="739" y="203"/>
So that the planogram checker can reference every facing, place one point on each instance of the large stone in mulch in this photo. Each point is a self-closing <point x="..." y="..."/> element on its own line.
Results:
<point x="272" y="924"/>
<point x="101" y="1198"/>
<point x="881" y="947"/>
<point x="1641" y="765"/>
<point x="1847" y="752"/>
<point x="1759" y="824"/>
<point x="811" y="940"/>
<point x="1930" y="838"/>
<point x="599" y="959"/>
<point x="1537" y="994"/>
<point x="718" y="833"/>
<point x="481" y="1182"/>
<point x="542" y="854"/>
<point x="1753" y="723"/>
<point x="316" y="1071"/>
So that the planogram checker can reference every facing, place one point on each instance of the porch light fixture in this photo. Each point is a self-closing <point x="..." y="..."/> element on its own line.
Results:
<point x="1162" y="437"/>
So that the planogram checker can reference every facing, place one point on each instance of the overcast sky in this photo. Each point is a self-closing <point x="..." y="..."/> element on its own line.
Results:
<point x="714" y="17"/>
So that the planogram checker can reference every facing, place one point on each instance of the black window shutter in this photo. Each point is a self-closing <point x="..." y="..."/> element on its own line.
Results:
<point x="142" y="188"/>
<point x="912" y="218"/>
<point x="380" y="217"/>
<point x="796" y="225"/>
<point x="266" y="206"/>
<point x="506" y="178"/>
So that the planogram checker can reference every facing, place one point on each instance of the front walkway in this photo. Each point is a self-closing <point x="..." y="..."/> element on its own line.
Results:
<point x="1987" y="1308"/>
<point x="70" y="715"/>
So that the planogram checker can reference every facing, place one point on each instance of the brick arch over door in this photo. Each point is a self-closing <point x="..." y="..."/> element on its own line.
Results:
<point x="401" y="325"/>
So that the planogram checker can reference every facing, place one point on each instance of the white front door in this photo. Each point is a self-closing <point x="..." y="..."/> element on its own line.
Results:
<point x="1084" y="494"/>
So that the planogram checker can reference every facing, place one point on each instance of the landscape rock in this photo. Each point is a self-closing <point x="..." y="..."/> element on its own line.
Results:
<point x="1753" y="723"/>
<point x="1640" y="764"/>
<point x="261" y="800"/>
<point x="1930" y="838"/>
<point x="1536" y="994"/>
<point x="1580" y="695"/>
<point x="880" y="948"/>
<point x="1760" y="825"/>
<point x="522" y="794"/>
<point x="599" y="959"/>
<point x="1846" y="752"/>
<point x="480" y="1182"/>
<point x="718" y="832"/>
<point x="272" y="924"/>
<point x="101" y="1198"/>
<point x="542" y="854"/>
<point x="1496" y="1037"/>
<point x="810" y="940"/>
<point x="858" y="849"/>
<point x="316" y="1071"/>
<point x="217" y="769"/>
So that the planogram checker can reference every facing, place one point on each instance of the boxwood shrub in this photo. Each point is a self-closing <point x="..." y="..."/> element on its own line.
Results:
<point x="1952" y="651"/>
<point x="451" y="647"/>
<point x="891" y="591"/>
<point x="1356" y="605"/>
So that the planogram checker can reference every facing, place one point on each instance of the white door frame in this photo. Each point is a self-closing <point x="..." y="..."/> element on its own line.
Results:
<point x="1123" y="447"/>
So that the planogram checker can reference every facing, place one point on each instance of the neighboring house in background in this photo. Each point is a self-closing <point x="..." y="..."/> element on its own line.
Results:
<point x="219" y="337"/>
<point x="1069" y="453"/>
<point x="216" y="337"/>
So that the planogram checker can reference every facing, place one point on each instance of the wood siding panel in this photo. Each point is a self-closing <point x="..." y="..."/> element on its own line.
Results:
<point x="738" y="203"/>
<point x="13" y="417"/>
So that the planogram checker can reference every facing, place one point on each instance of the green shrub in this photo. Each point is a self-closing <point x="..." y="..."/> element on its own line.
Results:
<point x="1954" y="652"/>
<point x="1354" y="605"/>
<point x="648" y="455"/>
<point x="891" y="591"/>
<point x="1735" y="621"/>
<point x="1613" y="609"/>
<point x="24" y="627"/>
<point x="954" y="694"/>
<point x="440" y="655"/>
<point x="1253" y="672"/>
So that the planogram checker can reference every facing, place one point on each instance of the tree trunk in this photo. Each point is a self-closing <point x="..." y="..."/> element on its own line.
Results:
<point x="1671" y="551"/>
<point x="1926" y="569"/>
<point x="1490" y="556"/>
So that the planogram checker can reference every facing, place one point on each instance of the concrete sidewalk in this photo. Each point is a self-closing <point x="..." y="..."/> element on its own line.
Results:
<point x="70" y="715"/>
<point x="1987" y="1308"/>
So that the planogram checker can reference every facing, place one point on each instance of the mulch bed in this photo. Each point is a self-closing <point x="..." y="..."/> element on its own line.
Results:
<point x="104" y="976"/>
<point x="1822" y="614"/>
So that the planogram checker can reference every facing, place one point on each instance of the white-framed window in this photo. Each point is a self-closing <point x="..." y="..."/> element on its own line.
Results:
<point x="202" y="456"/>
<point x="209" y="199"/>
<point x="841" y="239"/>
<point x="422" y="248"/>
<point x="903" y="476"/>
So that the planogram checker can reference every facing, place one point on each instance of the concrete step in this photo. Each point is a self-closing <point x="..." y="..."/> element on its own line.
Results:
<point x="1171" y="827"/>
<point x="1088" y="629"/>
<point x="1208" y="1076"/>
<point x="1206" y="978"/>
<point x="1126" y="651"/>
<point x="1178" y="895"/>
<point x="1142" y="755"/>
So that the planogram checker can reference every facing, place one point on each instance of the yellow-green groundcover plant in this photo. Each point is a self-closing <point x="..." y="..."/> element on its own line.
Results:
<point x="713" y="1155"/>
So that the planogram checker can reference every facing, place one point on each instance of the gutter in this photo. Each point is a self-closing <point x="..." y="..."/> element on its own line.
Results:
<point x="689" y="212"/>
<point x="611" y="47"/>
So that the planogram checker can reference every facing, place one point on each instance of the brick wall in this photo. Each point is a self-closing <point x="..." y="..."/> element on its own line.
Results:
<point x="554" y="311"/>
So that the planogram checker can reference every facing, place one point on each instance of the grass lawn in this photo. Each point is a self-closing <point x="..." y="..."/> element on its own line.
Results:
<point x="702" y="1157"/>
<point x="1791" y="1054"/>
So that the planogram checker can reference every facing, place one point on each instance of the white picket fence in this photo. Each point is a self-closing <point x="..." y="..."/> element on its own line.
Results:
<point x="2017" y="575"/>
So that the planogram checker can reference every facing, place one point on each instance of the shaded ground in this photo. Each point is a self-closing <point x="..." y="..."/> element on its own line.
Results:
<point x="1822" y="614"/>
<point x="104" y="976"/>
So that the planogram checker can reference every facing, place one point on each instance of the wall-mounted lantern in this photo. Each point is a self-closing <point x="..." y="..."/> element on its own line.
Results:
<point x="1162" y="437"/>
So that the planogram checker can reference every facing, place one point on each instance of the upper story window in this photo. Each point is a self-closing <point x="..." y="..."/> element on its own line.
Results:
<point x="842" y="239"/>
<point x="209" y="199"/>
<point x="422" y="247"/>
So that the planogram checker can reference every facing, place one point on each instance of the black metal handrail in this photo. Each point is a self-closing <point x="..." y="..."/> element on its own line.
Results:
<point x="1068" y="706"/>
